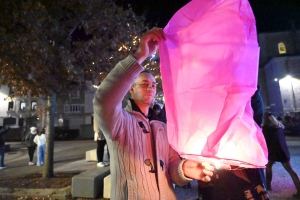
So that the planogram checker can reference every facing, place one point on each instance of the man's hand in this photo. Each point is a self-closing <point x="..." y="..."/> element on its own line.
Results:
<point x="149" y="44"/>
<point x="96" y="136"/>
<point x="199" y="171"/>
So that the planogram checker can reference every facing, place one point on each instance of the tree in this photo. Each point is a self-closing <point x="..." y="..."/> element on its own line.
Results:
<point x="47" y="45"/>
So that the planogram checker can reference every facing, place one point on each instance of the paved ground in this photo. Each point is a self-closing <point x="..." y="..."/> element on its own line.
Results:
<point x="70" y="156"/>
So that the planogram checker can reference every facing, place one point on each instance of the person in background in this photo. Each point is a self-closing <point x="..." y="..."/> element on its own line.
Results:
<point x="257" y="176"/>
<point x="2" y="146"/>
<point x="257" y="105"/>
<point x="160" y="113"/>
<point x="40" y="140"/>
<point x="280" y="117"/>
<point x="143" y="165"/>
<point x="157" y="110"/>
<point x="164" y="114"/>
<point x="101" y="142"/>
<point x="31" y="146"/>
<point x="273" y="131"/>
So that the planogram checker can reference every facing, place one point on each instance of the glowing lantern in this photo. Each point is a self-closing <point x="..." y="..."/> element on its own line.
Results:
<point x="209" y="67"/>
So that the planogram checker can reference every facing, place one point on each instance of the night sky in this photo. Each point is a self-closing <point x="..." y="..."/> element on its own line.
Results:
<point x="271" y="15"/>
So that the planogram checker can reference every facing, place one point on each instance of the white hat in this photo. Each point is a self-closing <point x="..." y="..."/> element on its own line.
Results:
<point x="33" y="128"/>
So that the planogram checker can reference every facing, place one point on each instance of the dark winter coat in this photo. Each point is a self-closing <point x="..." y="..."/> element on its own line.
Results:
<point x="2" y="139"/>
<point x="29" y="139"/>
<point x="277" y="147"/>
<point x="257" y="105"/>
<point x="273" y="131"/>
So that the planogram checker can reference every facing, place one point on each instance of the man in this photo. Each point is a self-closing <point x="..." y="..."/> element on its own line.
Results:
<point x="143" y="165"/>
<point x="101" y="142"/>
<point x="2" y="146"/>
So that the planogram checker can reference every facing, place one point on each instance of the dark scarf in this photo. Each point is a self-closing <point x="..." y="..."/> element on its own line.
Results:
<point x="151" y="112"/>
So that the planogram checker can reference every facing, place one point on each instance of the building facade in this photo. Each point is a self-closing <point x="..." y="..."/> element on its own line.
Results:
<point x="73" y="111"/>
<point x="279" y="73"/>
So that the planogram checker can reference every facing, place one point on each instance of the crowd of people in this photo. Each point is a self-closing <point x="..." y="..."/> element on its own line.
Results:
<point x="36" y="139"/>
<point x="291" y="121"/>
<point x="33" y="139"/>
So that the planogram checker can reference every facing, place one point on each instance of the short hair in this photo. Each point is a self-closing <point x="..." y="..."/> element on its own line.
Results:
<point x="146" y="71"/>
<point x="156" y="107"/>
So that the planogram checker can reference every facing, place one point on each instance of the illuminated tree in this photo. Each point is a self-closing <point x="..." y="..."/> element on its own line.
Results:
<point x="46" y="45"/>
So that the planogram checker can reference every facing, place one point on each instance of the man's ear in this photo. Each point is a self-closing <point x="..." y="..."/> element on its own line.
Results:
<point x="131" y="90"/>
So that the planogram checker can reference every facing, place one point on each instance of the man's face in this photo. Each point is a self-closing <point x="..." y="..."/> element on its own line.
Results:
<point x="143" y="89"/>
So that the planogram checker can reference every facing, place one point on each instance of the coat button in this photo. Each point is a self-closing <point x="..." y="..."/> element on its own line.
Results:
<point x="143" y="127"/>
<point x="148" y="163"/>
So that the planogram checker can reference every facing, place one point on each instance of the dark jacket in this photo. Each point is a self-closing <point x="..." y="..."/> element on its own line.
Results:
<point x="257" y="105"/>
<point x="2" y="139"/>
<point x="273" y="131"/>
<point x="29" y="139"/>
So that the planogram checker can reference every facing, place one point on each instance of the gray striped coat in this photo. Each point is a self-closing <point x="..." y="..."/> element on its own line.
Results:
<point x="143" y="165"/>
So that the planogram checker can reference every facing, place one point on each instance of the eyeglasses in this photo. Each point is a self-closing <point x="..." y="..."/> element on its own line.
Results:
<point x="146" y="85"/>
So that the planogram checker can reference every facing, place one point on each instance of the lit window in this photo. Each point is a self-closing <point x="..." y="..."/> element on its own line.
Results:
<point x="22" y="105"/>
<point x="74" y="94"/>
<point x="73" y="108"/>
<point x="281" y="48"/>
<point x="33" y="105"/>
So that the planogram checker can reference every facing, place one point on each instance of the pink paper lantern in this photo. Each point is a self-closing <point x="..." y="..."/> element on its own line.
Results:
<point x="209" y="67"/>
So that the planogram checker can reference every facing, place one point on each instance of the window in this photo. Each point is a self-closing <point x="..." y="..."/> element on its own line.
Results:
<point x="66" y="108"/>
<point x="10" y="105"/>
<point x="74" y="94"/>
<point x="73" y="108"/>
<point x="33" y="105"/>
<point x="22" y="105"/>
<point x="281" y="48"/>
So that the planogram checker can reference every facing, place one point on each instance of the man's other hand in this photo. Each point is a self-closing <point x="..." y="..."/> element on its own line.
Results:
<point x="199" y="171"/>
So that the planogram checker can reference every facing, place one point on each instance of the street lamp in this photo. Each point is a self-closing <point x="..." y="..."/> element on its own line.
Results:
<point x="293" y="93"/>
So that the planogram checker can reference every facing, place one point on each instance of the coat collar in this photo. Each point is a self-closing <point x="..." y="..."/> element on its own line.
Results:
<point x="131" y="106"/>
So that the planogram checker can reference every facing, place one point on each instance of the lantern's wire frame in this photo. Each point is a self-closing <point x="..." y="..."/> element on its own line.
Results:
<point x="234" y="164"/>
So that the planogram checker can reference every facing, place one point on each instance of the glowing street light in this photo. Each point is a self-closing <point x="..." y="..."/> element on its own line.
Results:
<point x="292" y="88"/>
